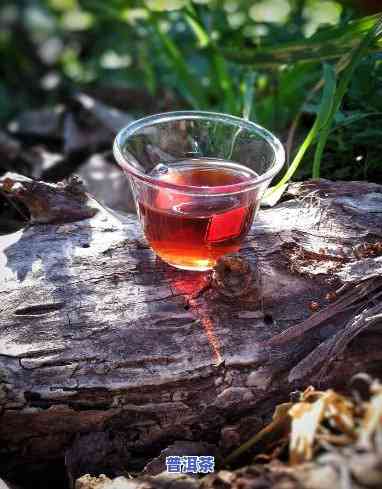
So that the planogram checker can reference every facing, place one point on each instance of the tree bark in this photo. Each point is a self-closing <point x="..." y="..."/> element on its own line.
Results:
<point x="108" y="355"/>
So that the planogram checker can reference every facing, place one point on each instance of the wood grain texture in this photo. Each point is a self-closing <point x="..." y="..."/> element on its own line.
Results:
<point x="97" y="335"/>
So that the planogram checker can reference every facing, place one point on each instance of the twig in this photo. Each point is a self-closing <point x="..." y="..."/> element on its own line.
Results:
<point x="358" y="292"/>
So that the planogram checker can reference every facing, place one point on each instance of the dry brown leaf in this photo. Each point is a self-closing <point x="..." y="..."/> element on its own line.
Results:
<point x="310" y="394"/>
<point x="372" y="420"/>
<point x="320" y="421"/>
<point x="306" y="419"/>
<point x="341" y="440"/>
<point x="340" y="412"/>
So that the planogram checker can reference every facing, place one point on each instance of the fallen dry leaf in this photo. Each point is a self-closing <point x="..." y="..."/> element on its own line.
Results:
<point x="372" y="421"/>
<point x="320" y="423"/>
<point x="339" y="412"/>
<point x="306" y="419"/>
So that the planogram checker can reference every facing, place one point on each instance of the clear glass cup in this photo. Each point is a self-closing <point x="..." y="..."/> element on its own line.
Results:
<point x="197" y="180"/>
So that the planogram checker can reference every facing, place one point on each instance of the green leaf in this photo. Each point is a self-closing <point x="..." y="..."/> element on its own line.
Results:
<point x="324" y="117"/>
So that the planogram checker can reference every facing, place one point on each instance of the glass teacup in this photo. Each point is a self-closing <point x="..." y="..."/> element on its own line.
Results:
<point x="197" y="180"/>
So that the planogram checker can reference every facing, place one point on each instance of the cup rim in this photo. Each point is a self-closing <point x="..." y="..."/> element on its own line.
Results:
<point x="133" y="127"/>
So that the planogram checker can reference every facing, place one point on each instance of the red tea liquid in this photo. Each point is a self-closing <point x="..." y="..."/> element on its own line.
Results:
<point x="192" y="232"/>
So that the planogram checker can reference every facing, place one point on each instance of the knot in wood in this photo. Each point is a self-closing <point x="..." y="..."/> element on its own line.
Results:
<point x="233" y="276"/>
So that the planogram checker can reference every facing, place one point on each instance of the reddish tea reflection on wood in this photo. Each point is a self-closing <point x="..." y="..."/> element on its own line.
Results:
<point x="187" y="284"/>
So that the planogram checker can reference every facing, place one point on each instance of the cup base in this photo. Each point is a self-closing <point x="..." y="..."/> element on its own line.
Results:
<point x="192" y="265"/>
<point x="188" y="268"/>
<point x="195" y="262"/>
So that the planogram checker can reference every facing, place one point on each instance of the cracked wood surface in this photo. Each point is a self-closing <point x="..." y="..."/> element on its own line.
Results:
<point x="97" y="335"/>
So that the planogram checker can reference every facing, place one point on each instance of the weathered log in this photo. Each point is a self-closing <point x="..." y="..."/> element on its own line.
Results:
<point x="101" y="340"/>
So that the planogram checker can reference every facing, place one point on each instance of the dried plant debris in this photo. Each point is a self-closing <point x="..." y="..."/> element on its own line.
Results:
<point x="334" y="263"/>
<point x="371" y="425"/>
<point x="319" y="439"/>
<point x="102" y="482"/>
<point x="161" y="481"/>
<point x="319" y="416"/>
<point x="322" y="422"/>
<point x="311" y="263"/>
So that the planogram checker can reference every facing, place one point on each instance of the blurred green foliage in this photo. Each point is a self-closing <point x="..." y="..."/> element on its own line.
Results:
<point x="260" y="58"/>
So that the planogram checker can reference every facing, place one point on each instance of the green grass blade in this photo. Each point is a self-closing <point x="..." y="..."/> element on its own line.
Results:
<point x="217" y="61"/>
<point x="328" y="94"/>
<point x="318" y="155"/>
<point x="326" y="108"/>
<point x="195" y="92"/>
<point x="201" y="35"/>
<point x="321" y="119"/>
<point x="249" y="95"/>
<point x="330" y="103"/>
<point x="147" y="68"/>
<point x="355" y="57"/>
<point x="358" y="53"/>
<point x="268" y="58"/>
<point x="223" y="78"/>
<point x="351" y="119"/>
<point x="327" y="44"/>
<point x="357" y="27"/>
